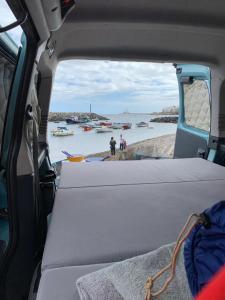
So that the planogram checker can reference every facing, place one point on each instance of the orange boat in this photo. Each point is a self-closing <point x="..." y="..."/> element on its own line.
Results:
<point x="87" y="128"/>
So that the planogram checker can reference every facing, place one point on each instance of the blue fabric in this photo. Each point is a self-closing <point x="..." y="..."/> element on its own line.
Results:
<point x="204" y="250"/>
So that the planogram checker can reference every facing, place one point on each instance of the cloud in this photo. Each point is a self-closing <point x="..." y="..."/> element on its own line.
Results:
<point x="115" y="85"/>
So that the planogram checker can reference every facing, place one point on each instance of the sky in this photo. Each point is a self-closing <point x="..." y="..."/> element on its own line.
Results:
<point x="113" y="86"/>
<point x="109" y="86"/>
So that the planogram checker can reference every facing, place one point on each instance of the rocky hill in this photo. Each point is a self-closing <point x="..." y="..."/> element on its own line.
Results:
<point x="167" y="119"/>
<point x="61" y="116"/>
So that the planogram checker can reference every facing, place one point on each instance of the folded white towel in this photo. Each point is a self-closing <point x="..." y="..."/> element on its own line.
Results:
<point x="126" y="280"/>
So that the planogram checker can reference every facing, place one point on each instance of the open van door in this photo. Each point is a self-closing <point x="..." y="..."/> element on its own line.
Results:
<point x="194" y="111"/>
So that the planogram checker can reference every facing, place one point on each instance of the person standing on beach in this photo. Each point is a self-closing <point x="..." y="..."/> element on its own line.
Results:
<point x="124" y="144"/>
<point x="121" y="143"/>
<point x="112" y="146"/>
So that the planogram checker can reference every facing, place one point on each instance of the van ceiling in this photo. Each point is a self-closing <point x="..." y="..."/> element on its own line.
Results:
<point x="178" y="30"/>
<point x="185" y="31"/>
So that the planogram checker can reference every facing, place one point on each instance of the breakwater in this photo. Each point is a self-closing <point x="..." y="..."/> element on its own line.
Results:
<point x="62" y="116"/>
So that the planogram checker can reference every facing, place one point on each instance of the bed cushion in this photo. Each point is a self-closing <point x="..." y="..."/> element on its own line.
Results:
<point x="112" y="223"/>
<point x="60" y="283"/>
<point x="76" y="175"/>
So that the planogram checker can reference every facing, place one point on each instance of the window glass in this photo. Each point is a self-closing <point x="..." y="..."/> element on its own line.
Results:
<point x="7" y="18"/>
<point x="9" y="44"/>
<point x="197" y="105"/>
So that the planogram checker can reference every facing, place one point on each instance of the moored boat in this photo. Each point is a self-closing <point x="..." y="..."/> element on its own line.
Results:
<point x="103" y="123"/>
<point x="121" y="126"/>
<point x="76" y="120"/>
<point x="87" y="128"/>
<point x="142" y="124"/>
<point x="117" y="126"/>
<point x="127" y="126"/>
<point x="103" y="130"/>
<point x="62" y="131"/>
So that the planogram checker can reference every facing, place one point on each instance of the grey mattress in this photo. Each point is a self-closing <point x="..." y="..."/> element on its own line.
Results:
<point x="106" y="224"/>
<point x="75" y="175"/>
<point x="98" y="220"/>
<point x="60" y="283"/>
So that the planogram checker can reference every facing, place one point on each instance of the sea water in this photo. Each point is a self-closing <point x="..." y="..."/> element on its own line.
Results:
<point x="91" y="142"/>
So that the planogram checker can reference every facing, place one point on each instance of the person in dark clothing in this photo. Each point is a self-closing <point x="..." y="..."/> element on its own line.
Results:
<point x="112" y="146"/>
<point x="121" y="142"/>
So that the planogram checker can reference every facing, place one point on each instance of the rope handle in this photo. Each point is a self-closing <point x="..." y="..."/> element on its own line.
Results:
<point x="191" y="222"/>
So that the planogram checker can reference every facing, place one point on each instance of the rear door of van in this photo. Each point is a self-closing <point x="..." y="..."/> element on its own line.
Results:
<point x="193" y="128"/>
<point x="18" y="47"/>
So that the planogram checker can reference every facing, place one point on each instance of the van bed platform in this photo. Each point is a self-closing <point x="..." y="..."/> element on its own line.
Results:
<point x="109" y="211"/>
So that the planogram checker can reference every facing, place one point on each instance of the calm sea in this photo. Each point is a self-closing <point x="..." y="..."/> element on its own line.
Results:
<point x="91" y="142"/>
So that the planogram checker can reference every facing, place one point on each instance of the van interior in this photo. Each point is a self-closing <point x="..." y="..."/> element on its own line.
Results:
<point x="57" y="225"/>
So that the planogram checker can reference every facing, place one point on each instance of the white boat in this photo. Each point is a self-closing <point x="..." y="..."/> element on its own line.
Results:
<point x="142" y="124"/>
<point x="117" y="126"/>
<point x="103" y="130"/>
<point x="121" y="126"/>
<point x="62" y="131"/>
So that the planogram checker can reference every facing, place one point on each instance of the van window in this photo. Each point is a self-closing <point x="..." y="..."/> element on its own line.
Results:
<point x="6" y="75"/>
<point x="136" y="103"/>
<point x="9" y="46"/>
<point x="197" y="105"/>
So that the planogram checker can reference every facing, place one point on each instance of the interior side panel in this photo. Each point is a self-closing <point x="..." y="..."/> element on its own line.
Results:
<point x="196" y="146"/>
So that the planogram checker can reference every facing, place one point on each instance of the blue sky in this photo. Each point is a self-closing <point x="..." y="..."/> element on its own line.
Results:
<point x="109" y="86"/>
<point x="113" y="87"/>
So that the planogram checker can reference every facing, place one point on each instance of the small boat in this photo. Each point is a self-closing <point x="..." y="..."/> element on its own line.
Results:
<point x="95" y="120"/>
<point x="96" y="126"/>
<point x="62" y="131"/>
<point x="75" y="120"/>
<point x="103" y="130"/>
<point x="121" y="126"/>
<point x="127" y="126"/>
<point x="103" y="123"/>
<point x="87" y="128"/>
<point x="142" y="124"/>
<point x="117" y="125"/>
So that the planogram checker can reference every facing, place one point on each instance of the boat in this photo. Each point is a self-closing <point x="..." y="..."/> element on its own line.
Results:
<point x="95" y="120"/>
<point x="76" y="120"/>
<point x="103" y="130"/>
<point x="62" y="131"/>
<point x="103" y="123"/>
<point x="117" y="126"/>
<point x="142" y="124"/>
<point x="121" y="125"/>
<point x="127" y="126"/>
<point x="96" y="126"/>
<point x="87" y="128"/>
